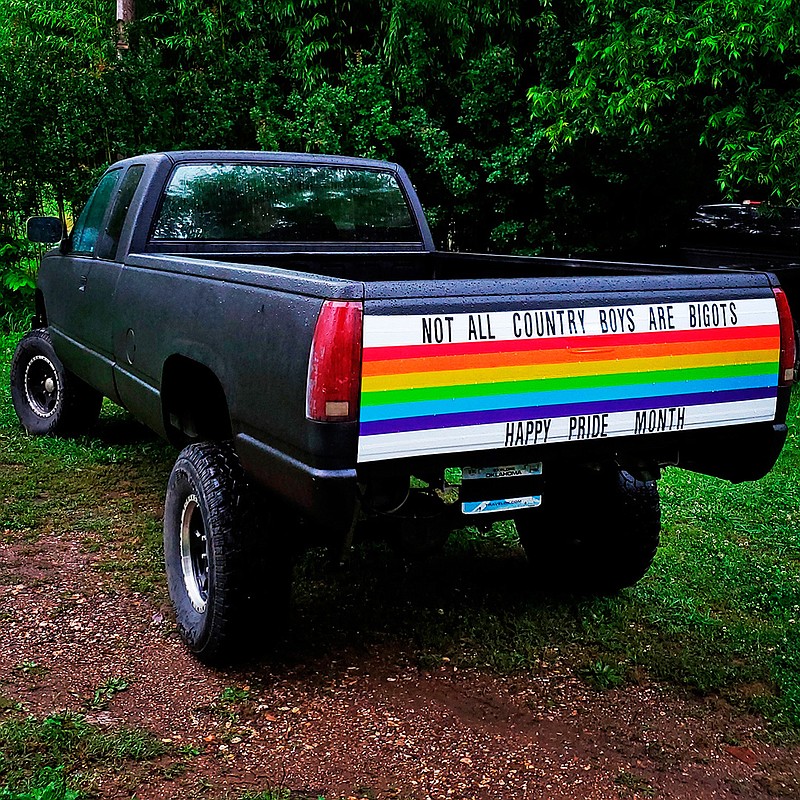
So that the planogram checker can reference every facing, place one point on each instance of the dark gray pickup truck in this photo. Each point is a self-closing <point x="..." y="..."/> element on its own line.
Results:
<point x="286" y="320"/>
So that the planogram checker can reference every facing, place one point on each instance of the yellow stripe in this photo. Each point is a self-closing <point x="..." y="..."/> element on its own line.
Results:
<point x="461" y="377"/>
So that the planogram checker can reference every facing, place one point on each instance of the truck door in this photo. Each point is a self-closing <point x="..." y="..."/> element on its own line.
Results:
<point x="89" y="279"/>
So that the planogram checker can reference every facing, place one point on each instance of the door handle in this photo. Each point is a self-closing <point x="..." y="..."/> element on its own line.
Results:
<point x="84" y="281"/>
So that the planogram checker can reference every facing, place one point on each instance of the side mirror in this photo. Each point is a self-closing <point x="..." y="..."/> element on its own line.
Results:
<point x="46" y="230"/>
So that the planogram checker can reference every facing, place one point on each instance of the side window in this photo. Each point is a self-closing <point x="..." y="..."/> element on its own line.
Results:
<point x="87" y="228"/>
<point x="127" y="188"/>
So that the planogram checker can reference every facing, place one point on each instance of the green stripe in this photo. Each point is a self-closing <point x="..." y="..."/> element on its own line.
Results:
<point x="555" y="384"/>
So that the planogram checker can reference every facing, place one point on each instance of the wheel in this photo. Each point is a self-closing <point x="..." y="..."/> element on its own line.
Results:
<point x="214" y="551"/>
<point x="597" y="534"/>
<point x="47" y="397"/>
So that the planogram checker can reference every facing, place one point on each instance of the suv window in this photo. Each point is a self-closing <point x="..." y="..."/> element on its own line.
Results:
<point x="284" y="203"/>
<point x="87" y="228"/>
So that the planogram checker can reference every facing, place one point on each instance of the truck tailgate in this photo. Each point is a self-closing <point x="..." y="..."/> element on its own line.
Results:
<point x="482" y="373"/>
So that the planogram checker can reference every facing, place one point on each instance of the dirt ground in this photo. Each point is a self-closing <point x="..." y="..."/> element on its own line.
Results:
<point x="354" y="724"/>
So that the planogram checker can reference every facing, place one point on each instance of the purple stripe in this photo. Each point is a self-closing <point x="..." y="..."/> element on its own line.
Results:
<point x="467" y="418"/>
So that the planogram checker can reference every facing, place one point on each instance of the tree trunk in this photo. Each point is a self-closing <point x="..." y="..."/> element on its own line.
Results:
<point x="126" y="11"/>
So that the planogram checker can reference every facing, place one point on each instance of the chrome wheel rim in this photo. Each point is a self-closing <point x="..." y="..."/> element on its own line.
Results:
<point x="41" y="386"/>
<point x="194" y="554"/>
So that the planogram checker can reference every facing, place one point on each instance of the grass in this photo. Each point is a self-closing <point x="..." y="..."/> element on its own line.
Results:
<point x="718" y="613"/>
<point x="51" y="786"/>
<point x="104" y="488"/>
<point x="37" y="754"/>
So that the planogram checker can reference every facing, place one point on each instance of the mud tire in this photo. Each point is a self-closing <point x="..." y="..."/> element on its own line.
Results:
<point x="48" y="398"/>
<point x="594" y="536"/>
<point x="228" y="582"/>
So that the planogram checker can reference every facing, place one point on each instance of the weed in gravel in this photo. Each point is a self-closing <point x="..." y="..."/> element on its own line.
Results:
<point x="105" y="693"/>
<point x="602" y="675"/>
<point x="31" y="668"/>
<point x="232" y="702"/>
<point x="172" y="771"/>
<point x="634" y="785"/>
<point x="233" y="694"/>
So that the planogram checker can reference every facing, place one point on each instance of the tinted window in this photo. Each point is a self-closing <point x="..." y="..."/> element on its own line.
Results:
<point x="284" y="203"/>
<point x="87" y="228"/>
<point x="127" y="188"/>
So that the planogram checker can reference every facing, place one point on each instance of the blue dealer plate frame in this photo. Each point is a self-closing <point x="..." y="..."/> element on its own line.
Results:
<point x="498" y="506"/>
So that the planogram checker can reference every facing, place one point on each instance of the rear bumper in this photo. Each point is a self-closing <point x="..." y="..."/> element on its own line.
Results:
<point x="735" y="453"/>
<point x="327" y="496"/>
<point x="740" y="454"/>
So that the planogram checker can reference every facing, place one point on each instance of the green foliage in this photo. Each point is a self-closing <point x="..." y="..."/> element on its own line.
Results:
<point x="105" y="693"/>
<point x="52" y="787"/>
<point x="233" y="694"/>
<point x="633" y="785"/>
<point x="602" y="675"/>
<point x="722" y="71"/>
<point x="435" y="84"/>
<point x="353" y="116"/>
<point x="546" y="128"/>
<point x="54" y="134"/>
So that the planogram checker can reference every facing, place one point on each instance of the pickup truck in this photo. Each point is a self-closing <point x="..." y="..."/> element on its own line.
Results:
<point x="286" y="320"/>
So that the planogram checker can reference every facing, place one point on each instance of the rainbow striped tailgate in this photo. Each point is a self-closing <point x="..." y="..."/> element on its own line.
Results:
<point x="505" y="379"/>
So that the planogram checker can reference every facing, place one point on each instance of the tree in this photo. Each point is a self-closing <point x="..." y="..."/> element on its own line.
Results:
<point x="435" y="84"/>
<point x="54" y="131"/>
<point x="720" y="76"/>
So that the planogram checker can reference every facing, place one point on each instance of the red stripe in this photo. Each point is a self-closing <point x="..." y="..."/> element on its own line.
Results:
<point x="566" y="342"/>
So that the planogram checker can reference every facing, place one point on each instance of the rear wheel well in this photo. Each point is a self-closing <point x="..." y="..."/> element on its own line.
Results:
<point x="193" y="403"/>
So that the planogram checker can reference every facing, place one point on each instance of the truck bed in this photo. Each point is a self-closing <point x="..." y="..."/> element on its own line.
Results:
<point x="621" y="357"/>
<point x="429" y="266"/>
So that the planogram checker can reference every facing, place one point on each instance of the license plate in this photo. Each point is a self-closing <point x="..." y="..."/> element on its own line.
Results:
<point x="497" y="506"/>
<point x="515" y="471"/>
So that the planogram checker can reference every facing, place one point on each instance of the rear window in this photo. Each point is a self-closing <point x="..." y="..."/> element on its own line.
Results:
<point x="283" y="203"/>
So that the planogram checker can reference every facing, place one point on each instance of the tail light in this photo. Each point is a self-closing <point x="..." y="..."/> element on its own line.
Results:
<point x="334" y="366"/>
<point x="786" y="365"/>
